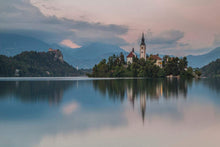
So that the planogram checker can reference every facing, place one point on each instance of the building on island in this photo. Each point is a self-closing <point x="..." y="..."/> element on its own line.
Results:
<point x="157" y="59"/>
<point x="130" y="57"/>
<point x="142" y="51"/>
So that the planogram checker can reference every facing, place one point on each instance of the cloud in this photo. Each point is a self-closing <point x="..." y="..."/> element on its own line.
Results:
<point x="167" y="37"/>
<point x="22" y="17"/>
<point x="69" y="43"/>
<point x="167" y="42"/>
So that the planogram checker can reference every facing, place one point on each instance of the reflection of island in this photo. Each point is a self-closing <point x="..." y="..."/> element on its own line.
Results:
<point x="35" y="91"/>
<point x="142" y="90"/>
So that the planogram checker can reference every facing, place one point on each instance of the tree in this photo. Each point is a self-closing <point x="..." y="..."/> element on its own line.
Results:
<point x="122" y="58"/>
<point x="141" y="68"/>
<point x="198" y="73"/>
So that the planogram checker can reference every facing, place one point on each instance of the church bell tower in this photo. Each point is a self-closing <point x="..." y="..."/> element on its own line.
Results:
<point x="143" y="48"/>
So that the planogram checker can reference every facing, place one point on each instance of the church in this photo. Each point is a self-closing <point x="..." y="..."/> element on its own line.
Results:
<point x="131" y="55"/>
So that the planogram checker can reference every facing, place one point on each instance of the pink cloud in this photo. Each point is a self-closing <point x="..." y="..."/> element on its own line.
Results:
<point x="198" y="19"/>
<point x="69" y="43"/>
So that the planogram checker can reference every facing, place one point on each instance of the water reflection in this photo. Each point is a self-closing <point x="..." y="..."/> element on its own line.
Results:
<point x="98" y="112"/>
<point x="35" y="91"/>
<point x="143" y="90"/>
<point x="212" y="83"/>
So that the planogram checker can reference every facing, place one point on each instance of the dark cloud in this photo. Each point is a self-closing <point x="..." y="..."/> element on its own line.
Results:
<point x="166" y="42"/>
<point x="184" y="44"/>
<point x="23" y="18"/>
<point x="167" y="37"/>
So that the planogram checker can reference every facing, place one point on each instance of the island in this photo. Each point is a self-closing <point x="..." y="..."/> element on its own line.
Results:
<point x="151" y="66"/>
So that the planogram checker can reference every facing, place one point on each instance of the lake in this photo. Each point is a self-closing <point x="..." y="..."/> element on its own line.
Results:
<point x="81" y="112"/>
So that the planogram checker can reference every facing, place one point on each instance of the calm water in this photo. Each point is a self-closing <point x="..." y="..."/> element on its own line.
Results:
<point x="67" y="112"/>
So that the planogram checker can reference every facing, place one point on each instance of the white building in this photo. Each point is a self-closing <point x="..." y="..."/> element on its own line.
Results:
<point x="130" y="57"/>
<point x="157" y="59"/>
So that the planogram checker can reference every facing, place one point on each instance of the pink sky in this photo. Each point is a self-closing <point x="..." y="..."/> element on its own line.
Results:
<point x="199" y="20"/>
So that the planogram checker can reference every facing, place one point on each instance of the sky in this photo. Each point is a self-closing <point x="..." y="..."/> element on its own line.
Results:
<point x="171" y="26"/>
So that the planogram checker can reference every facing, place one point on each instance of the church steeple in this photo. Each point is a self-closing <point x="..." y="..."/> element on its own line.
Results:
<point x="143" y="48"/>
<point x="142" y="39"/>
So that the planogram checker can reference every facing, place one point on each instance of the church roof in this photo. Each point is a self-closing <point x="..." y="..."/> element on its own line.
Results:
<point x="142" y="39"/>
<point x="155" y="57"/>
<point x="131" y="54"/>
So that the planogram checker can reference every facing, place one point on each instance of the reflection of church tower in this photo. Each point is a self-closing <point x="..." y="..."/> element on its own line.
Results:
<point x="130" y="96"/>
<point x="143" y="48"/>
<point x="143" y="105"/>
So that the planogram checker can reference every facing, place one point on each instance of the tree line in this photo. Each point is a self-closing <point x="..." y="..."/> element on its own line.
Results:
<point x="116" y="66"/>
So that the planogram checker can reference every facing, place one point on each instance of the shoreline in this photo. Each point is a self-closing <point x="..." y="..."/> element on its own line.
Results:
<point x="77" y="78"/>
<point x="64" y="78"/>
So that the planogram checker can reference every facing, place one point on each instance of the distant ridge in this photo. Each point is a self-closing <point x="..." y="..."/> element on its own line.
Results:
<point x="13" y="44"/>
<point x="86" y="56"/>
<point x="201" y="60"/>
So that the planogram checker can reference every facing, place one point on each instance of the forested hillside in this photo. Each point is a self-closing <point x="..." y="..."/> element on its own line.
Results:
<point x="35" y="64"/>
<point x="212" y="69"/>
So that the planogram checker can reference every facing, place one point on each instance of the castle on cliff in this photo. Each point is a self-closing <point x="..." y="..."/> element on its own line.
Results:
<point x="57" y="54"/>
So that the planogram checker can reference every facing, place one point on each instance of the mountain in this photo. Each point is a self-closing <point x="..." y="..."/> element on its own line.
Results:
<point x="88" y="56"/>
<point x="13" y="44"/>
<point x="84" y="57"/>
<point x="35" y="64"/>
<point x="212" y="69"/>
<point x="202" y="60"/>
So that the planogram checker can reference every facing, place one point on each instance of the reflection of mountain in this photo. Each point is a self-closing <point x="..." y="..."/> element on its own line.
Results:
<point x="142" y="89"/>
<point x="35" y="91"/>
<point x="212" y="83"/>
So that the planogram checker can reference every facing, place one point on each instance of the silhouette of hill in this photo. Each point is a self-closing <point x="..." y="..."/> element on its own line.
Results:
<point x="202" y="60"/>
<point x="212" y="69"/>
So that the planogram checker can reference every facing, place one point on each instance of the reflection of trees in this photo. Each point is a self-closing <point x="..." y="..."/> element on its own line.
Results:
<point x="174" y="87"/>
<point x="34" y="91"/>
<point x="114" y="88"/>
<point x="152" y="88"/>
<point x="142" y="89"/>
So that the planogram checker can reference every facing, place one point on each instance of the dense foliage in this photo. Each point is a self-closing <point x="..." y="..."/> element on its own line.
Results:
<point x="212" y="69"/>
<point x="29" y="64"/>
<point x="117" y="67"/>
